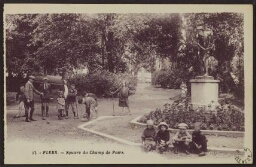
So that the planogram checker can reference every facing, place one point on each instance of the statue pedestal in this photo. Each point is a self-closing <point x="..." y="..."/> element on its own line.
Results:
<point x="204" y="90"/>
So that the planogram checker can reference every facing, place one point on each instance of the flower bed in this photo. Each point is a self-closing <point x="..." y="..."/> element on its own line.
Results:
<point x="228" y="117"/>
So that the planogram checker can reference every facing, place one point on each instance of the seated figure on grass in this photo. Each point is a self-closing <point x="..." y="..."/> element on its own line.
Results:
<point x="199" y="141"/>
<point x="182" y="139"/>
<point x="149" y="137"/>
<point x="163" y="137"/>
<point x="91" y="105"/>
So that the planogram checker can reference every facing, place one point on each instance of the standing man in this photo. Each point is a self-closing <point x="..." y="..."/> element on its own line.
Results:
<point x="65" y="90"/>
<point x="29" y="98"/>
<point x="45" y="99"/>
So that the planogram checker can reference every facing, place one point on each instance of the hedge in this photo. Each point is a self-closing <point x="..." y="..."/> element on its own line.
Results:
<point x="102" y="83"/>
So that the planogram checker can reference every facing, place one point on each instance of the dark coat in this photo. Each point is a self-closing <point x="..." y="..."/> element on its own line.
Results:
<point x="30" y="90"/>
<point x="198" y="138"/>
<point x="163" y="135"/>
<point x="46" y="89"/>
<point x="149" y="133"/>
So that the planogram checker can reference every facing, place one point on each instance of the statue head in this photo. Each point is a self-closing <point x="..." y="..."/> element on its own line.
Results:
<point x="205" y="35"/>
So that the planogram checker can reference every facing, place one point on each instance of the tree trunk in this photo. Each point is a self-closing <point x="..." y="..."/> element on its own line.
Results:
<point x="103" y="42"/>
<point x="109" y="48"/>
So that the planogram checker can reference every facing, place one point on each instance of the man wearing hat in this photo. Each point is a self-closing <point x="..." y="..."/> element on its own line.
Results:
<point x="29" y="98"/>
<point x="45" y="87"/>
<point x="182" y="139"/>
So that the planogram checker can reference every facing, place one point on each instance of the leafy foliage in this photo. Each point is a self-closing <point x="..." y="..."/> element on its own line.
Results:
<point x="168" y="78"/>
<point x="228" y="118"/>
<point x="119" y="43"/>
<point x="102" y="83"/>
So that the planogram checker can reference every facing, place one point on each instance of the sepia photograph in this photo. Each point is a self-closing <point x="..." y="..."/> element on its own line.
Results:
<point x="128" y="84"/>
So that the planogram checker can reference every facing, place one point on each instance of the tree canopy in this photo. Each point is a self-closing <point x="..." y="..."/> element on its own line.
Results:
<point x="56" y="43"/>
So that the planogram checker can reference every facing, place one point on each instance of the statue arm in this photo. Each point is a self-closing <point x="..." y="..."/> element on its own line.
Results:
<point x="201" y="46"/>
<point x="212" y="44"/>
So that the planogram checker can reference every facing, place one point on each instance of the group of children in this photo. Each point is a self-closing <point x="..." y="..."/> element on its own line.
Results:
<point x="88" y="99"/>
<point x="182" y="140"/>
<point x="64" y="102"/>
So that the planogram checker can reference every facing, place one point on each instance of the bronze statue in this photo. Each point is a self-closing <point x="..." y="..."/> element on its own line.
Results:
<point x="206" y="43"/>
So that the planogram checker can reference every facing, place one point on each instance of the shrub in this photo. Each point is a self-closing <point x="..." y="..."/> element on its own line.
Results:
<point x="169" y="78"/>
<point x="102" y="82"/>
<point x="230" y="120"/>
<point x="161" y="77"/>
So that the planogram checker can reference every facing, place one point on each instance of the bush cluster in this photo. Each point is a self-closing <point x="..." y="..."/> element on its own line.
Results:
<point x="168" y="78"/>
<point x="102" y="83"/>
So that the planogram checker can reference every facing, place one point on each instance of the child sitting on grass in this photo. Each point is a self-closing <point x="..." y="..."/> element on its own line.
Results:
<point x="182" y="139"/>
<point x="61" y="104"/>
<point x="163" y="137"/>
<point x="149" y="137"/>
<point x="199" y="141"/>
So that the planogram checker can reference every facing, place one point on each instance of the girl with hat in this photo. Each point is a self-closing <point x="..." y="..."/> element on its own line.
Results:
<point x="182" y="139"/>
<point x="149" y="137"/>
<point x="163" y="137"/>
<point x="123" y="93"/>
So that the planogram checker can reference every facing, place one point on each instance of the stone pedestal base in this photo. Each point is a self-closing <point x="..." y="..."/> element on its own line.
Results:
<point x="204" y="90"/>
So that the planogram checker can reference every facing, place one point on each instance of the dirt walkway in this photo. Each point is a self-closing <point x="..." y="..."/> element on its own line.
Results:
<point x="52" y="130"/>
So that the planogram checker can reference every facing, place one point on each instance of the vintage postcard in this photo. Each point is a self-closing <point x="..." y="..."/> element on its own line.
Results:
<point x="128" y="84"/>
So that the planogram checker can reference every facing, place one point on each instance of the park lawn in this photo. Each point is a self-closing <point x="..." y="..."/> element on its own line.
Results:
<point x="119" y="127"/>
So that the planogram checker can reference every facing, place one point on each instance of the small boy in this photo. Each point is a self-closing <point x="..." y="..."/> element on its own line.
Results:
<point x="72" y="92"/>
<point x="45" y="87"/>
<point x="149" y="137"/>
<point x="61" y="104"/>
<point x="199" y="141"/>
<point x="91" y="105"/>
<point x="20" y="96"/>
<point x="181" y="139"/>
<point x="163" y="137"/>
<point x="184" y="89"/>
